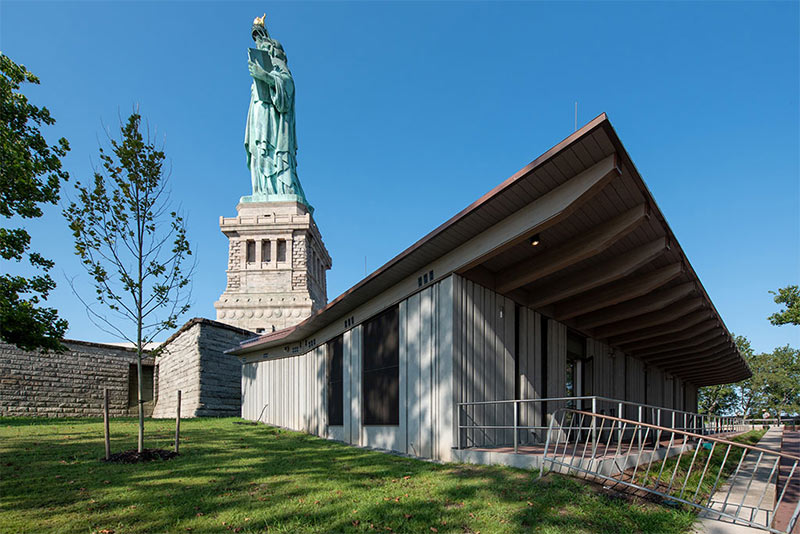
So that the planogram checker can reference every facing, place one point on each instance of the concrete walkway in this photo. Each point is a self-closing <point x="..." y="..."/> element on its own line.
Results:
<point x="750" y="497"/>
<point x="791" y="445"/>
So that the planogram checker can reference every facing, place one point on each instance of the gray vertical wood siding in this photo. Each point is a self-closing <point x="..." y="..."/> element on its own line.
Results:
<point x="530" y="373"/>
<point x="484" y="360"/>
<point x="458" y="342"/>
<point x="293" y="387"/>
<point x="287" y="392"/>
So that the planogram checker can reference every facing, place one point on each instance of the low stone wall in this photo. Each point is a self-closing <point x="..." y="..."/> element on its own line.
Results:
<point x="68" y="384"/>
<point x="193" y="361"/>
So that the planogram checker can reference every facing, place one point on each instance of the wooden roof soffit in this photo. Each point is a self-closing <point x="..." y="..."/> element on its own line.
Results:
<point x="697" y="352"/>
<point x="720" y="363"/>
<point x="678" y="325"/>
<point x="652" y="301"/>
<point x="571" y="252"/>
<point x="696" y="343"/>
<point x="683" y="335"/>
<point x="623" y="291"/>
<point x="707" y="378"/>
<point x="670" y="313"/>
<point x="547" y="210"/>
<point x="598" y="275"/>
<point x="718" y="359"/>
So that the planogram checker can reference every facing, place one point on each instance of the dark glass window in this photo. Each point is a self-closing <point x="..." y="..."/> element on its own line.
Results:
<point x="381" y="369"/>
<point x="335" y="381"/>
<point x="265" y="250"/>
<point x="281" y="252"/>
<point x="251" y="251"/>
<point x="148" y="375"/>
<point x="576" y="356"/>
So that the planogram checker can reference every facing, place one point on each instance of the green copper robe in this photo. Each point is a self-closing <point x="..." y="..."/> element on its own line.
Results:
<point x="270" y="138"/>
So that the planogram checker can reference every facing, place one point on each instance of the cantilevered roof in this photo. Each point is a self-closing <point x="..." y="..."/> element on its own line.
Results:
<point x="608" y="264"/>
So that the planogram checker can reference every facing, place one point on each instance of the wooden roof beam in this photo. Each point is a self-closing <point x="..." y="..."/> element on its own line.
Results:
<point x="715" y="368"/>
<point x="683" y="335"/>
<point x="573" y="251"/>
<point x="696" y="343"/>
<point x="712" y="367"/>
<point x="721" y="357"/>
<point x="724" y="373"/>
<point x="670" y="313"/>
<point x="661" y="330"/>
<point x="547" y="210"/>
<point x="690" y="357"/>
<point x="719" y="379"/>
<point x="653" y="301"/>
<point x="597" y="275"/>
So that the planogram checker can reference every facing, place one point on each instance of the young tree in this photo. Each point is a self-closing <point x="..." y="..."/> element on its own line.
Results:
<point x="30" y="175"/>
<point x="790" y="296"/>
<point x="132" y="244"/>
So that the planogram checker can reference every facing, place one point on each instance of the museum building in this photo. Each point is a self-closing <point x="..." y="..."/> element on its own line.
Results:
<point x="563" y="282"/>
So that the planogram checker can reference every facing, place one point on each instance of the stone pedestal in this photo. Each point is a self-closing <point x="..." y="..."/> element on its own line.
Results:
<point x="277" y="265"/>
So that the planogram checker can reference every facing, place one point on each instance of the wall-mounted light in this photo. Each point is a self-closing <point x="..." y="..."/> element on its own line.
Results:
<point x="535" y="240"/>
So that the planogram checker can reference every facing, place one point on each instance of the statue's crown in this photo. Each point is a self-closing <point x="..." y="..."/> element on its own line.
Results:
<point x="259" y="21"/>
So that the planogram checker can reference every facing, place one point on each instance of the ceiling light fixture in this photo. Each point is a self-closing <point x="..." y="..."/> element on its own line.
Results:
<point x="535" y="240"/>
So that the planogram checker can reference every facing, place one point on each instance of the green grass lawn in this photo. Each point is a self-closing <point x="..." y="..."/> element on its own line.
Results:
<point x="238" y="477"/>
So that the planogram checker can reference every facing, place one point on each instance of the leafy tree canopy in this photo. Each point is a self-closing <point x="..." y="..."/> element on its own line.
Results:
<point x="132" y="244"/>
<point x="790" y="297"/>
<point x="30" y="175"/>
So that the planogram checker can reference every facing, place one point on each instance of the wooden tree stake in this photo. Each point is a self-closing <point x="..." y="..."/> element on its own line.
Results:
<point x="105" y="423"/>
<point x="178" y="423"/>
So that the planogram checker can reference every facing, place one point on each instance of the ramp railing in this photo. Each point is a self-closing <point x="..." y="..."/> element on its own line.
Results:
<point x="725" y="479"/>
<point x="526" y="421"/>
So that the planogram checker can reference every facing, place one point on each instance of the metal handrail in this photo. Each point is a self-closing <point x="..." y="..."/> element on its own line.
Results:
<point x="620" y="462"/>
<point x="688" y="434"/>
<point x="590" y="397"/>
<point x="708" y="423"/>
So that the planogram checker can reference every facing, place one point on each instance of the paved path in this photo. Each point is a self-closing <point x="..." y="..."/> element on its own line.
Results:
<point x="749" y="496"/>
<point x="791" y="445"/>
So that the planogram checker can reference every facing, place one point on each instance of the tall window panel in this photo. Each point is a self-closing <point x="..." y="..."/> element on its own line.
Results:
<point x="266" y="251"/>
<point x="381" y="369"/>
<point x="335" y="381"/>
<point x="281" y="250"/>
<point x="251" y="251"/>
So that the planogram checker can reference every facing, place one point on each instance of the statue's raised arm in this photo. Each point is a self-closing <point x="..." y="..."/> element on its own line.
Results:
<point x="270" y="138"/>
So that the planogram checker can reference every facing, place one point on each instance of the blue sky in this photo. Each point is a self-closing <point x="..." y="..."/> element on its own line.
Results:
<point x="409" y="111"/>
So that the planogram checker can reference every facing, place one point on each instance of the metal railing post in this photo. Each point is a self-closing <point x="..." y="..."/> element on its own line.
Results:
<point x="516" y="430"/>
<point x="458" y="427"/>
<point x="639" y="427"/>
<point x="620" y="437"/>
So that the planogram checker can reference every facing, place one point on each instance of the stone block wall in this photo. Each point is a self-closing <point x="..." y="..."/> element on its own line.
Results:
<point x="299" y="265"/>
<point x="193" y="361"/>
<point x="68" y="384"/>
<point x="178" y="368"/>
<point x="220" y="374"/>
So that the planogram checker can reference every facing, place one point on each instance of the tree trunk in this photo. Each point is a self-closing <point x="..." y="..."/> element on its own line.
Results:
<point x="140" y="443"/>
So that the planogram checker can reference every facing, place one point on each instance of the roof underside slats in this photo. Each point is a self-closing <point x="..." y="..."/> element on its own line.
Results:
<point x="610" y="268"/>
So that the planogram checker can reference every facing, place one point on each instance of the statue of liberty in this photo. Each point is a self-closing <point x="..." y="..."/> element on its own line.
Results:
<point x="270" y="139"/>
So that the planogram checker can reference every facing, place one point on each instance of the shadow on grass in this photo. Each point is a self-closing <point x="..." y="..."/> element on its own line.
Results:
<point x="257" y="478"/>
